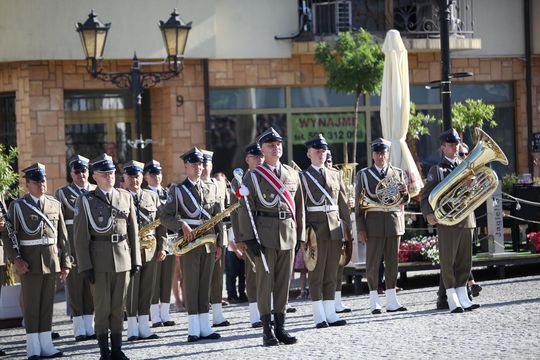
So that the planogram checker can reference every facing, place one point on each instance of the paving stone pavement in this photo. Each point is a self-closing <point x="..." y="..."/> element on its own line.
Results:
<point x="505" y="327"/>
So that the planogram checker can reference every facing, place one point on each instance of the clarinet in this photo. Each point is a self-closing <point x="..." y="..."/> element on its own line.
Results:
<point x="8" y="224"/>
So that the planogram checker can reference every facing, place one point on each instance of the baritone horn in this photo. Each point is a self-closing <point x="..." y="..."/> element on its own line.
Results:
<point x="452" y="200"/>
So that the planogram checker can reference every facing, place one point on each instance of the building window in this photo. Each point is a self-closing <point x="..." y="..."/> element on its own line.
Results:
<point x="8" y="123"/>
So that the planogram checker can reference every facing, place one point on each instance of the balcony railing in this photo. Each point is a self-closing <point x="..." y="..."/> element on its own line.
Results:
<point x="413" y="18"/>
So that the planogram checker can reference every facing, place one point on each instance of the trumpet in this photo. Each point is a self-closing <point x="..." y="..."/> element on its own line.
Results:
<point x="181" y="245"/>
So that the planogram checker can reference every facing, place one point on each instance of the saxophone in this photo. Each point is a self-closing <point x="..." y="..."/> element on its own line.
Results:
<point x="181" y="246"/>
<point x="147" y="239"/>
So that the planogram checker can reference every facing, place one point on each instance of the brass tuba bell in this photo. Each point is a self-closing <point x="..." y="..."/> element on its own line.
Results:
<point x="452" y="200"/>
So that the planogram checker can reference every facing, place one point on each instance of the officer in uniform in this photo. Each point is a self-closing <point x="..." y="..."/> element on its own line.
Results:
<point x="44" y="251"/>
<point x="141" y="286"/>
<point x="455" y="242"/>
<point x="216" y="282"/>
<point x="254" y="157"/>
<point x="276" y="202"/>
<point x="79" y="294"/>
<point x="326" y="208"/>
<point x="189" y="205"/>
<point x="107" y="247"/>
<point x="2" y="259"/>
<point x="159" y="310"/>
<point x="380" y="228"/>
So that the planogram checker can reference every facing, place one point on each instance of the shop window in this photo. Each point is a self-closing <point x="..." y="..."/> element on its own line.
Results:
<point x="312" y="97"/>
<point x="247" y="98"/>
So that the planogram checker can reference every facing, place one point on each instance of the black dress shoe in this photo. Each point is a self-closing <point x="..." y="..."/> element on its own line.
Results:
<point x="81" y="338"/>
<point x="34" y="357"/>
<point x="272" y="341"/>
<point x="2" y="353"/>
<point x="223" y="323"/>
<point x="55" y="335"/>
<point x="151" y="337"/>
<point x="338" y="323"/>
<point x="243" y="298"/>
<point x="169" y="323"/>
<point x="158" y="324"/>
<point x="475" y="290"/>
<point x="133" y="338"/>
<point x="291" y="309"/>
<point x="344" y="310"/>
<point x="401" y="308"/>
<point x="472" y="307"/>
<point x="193" y="338"/>
<point x="457" y="310"/>
<point x="91" y="337"/>
<point x="442" y="304"/>
<point x="55" y="355"/>
<point x="321" y="325"/>
<point x="256" y="324"/>
<point x="212" y="336"/>
<point x="376" y="312"/>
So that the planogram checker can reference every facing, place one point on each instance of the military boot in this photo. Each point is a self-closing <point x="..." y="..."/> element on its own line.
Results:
<point x="116" y="347"/>
<point x="103" y="342"/>
<point x="279" y="329"/>
<point x="269" y="339"/>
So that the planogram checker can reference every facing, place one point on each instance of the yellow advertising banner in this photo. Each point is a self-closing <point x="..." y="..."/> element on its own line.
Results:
<point x="337" y="128"/>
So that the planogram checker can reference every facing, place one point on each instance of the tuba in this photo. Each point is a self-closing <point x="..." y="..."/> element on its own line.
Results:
<point x="181" y="246"/>
<point x="452" y="200"/>
<point x="147" y="237"/>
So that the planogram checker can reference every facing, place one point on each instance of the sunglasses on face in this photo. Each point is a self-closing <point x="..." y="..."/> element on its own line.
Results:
<point x="77" y="172"/>
<point x="462" y="154"/>
<point x="328" y="161"/>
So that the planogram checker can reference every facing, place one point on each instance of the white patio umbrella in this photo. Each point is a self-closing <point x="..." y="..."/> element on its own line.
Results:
<point x="395" y="107"/>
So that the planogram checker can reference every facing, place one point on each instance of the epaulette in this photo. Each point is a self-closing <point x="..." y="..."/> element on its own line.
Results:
<point x="123" y="191"/>
<point x="52" y="198"/>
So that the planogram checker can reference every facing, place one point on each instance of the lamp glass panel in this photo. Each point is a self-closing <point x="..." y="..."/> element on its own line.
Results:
<point x="182" y="40"/>
<point x="88" y="38"/>
<point x="101" y="36"/>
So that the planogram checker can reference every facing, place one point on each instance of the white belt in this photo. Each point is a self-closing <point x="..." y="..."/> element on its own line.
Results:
<point x="192" y="221"/>
<point x="392" y="209"/>
<point x="43" y="241"/>
<point x="68" y="222"/>
<point x="322" y="208"/>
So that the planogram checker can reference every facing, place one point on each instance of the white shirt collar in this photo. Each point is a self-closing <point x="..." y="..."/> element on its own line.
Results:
<point x="452" y="161"/>
<point x="381" y="169"/>
<point x="317" y="168"/>
<point x="154" y="188"/>
<point x="37" y="199"/>
<point x="193" y="182"/>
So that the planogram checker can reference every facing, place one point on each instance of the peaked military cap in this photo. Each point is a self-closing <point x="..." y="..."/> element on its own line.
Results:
<point x="450" y="136"/>
<point x="193" y="156"/>
<point x="207" y="155"/>
<point x="103" y="163"/>
<point x="35" y="172"/>
<point x="253" y="149"/>
<point x="270" y="135"/>
<point x="133" y="167"/>
<point x="152" y="167"/>
<point x="79" y="162"/>
<point x="380" y="145"/>
<point x="318" y="142"/>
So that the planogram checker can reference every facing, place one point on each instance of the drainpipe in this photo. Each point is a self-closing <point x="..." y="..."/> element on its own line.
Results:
<point x="206" y="84"/>
<point x="528" y="81"/>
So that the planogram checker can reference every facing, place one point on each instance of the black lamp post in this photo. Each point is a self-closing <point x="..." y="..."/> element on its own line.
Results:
<point x="93" y="34"/>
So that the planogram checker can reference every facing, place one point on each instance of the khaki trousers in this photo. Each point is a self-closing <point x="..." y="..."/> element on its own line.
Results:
<point x="163" y="284"/>
<point x="141" y="290"/>
<point x="109" y="291"/>
<point x="38" y="295"/>
<point x="455" y="255"/>
<point x="276" y="282"/>
<point x="197" y="270"/>
<point x="80" y="295"/>
<point x="375" y="248"/>
<point x="322" y="280"/>
<point x="216" y="287"/>
<point x="251" y="280"/>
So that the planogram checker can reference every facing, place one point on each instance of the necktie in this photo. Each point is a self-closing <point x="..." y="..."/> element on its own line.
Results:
<point x="108" y="197"/>
<point x="321" y="171"/>
<point x="276" y="172"/>
<point x="39" y="204"/>
<point x="382" y="174"/>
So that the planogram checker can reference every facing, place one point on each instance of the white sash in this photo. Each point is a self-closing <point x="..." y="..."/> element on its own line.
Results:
<point x="201" y="209"/>
<point x="332" y="201"/>
<point x="42" y="215"/>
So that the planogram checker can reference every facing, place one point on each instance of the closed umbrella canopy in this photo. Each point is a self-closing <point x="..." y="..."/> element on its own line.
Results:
<point x="395" y="107"/>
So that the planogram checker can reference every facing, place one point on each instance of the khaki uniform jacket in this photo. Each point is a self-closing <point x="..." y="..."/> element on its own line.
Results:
<point x="436" y="174"/>
<point x="93" y="219"/>
<point x="180" y="207"/>
<point x="327" y="225"/>
<point x="67" y="196"/>
<point x="274" y="233"/>
<point x="41" y="259"/>
<point x="378" y="223"/>
<point x="147" y="213"/>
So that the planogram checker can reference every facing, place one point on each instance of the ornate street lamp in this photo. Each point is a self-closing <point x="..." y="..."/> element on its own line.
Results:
<point x="93" y="34"/>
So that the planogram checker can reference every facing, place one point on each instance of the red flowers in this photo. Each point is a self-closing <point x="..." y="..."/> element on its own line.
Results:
<point x="534" y="240"/>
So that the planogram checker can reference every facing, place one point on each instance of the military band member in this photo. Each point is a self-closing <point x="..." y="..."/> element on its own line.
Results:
<point x="277" y="206"/>
<point x="455" y="242"/>
<point x="380" y="228"/>
<point x="44" y="251"/>
<point x="107" y="247"/>
<point x="340" y="307"/>
<point x="159" y="310"/>
<point x="254" y="158"/>
<point x="78" y="287"/>
<point x="326" y="209"/>
<point x="189" y="205"/>
<point x="141" y="286"/>
<point x="216" y="282"/>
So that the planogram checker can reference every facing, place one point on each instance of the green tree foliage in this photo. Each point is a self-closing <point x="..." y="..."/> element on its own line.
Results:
<point x="472" y="114"/>
<point x="418" y="123"/>
<point x="8" y="177"/>
<point x="354" y="65"/>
